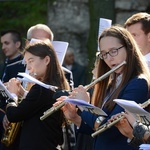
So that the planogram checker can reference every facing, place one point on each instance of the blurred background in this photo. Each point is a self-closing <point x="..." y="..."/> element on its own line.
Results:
<point x="73" y="21"/>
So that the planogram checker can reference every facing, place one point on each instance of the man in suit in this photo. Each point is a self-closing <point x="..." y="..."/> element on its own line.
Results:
<point x="78" y="71"/>
<point x="11" y="47"/>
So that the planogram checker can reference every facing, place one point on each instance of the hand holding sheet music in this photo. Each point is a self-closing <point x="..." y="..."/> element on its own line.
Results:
<point x="132" y="107"/>
<point x="6" y="93"/>
<point x="86" y="106"/>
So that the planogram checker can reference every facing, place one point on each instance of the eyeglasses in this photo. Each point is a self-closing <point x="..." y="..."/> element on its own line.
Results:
<point x="112" y="52"/>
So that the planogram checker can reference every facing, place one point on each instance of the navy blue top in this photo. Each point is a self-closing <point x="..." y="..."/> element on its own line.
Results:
<point x="112" y="139"/>
<point x="12" y="67"/>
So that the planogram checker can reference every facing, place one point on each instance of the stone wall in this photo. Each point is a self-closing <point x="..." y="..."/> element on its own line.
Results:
<point x="125" y="8"/>
<point x="69" y="20"/>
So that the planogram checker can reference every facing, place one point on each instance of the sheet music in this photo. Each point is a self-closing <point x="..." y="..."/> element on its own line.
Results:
<point x="103" y="24"/>
<point x="60" y="49"/>
<point x="144" y="147"/>
<point x="8" y="94"/>
<point x="132" y="107"/>
<point x="86" y="106"/>
<point x="29" y="78"/>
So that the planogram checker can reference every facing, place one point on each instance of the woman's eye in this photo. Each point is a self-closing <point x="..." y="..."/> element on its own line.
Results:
<point x="113" y="51"/>
<point x="30" y="61"/>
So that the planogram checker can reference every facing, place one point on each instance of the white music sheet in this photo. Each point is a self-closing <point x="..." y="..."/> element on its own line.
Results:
<point x="103" y="24"/>
<point x="132" y="107"/>
<point x="86" y="106"/>
<point x="9" y="95"/>
<point x="28" y="78"/>
<point x="144" y="147"/>
<point x="60" y="49"/>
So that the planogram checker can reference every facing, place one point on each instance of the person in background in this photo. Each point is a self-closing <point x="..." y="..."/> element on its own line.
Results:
<point x="131" y="81"/>
<point x="39" y="31"/>
<point x="78" y="71"/>
<point x="40" y="59"/>
<point x="11" y="46"/>
<point x="42" y="32"/>
<point x="139" y="26"/>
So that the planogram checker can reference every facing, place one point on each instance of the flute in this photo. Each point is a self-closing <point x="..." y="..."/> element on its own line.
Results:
<point x="108" y="125"/>
<point x="56" y="108"/>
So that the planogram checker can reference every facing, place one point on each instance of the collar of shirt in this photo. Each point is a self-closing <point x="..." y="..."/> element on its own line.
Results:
<point x="18" y="57"/>
<point x="118" y="80"/>
<point x="69" y="67"/>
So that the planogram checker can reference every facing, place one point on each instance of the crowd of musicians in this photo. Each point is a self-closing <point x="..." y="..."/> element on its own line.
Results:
<point x="117" y="44"/>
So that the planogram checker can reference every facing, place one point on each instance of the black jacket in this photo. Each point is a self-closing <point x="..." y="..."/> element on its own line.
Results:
<point x="8" y="70"/>
<point x="12" y="67"/>
<point x="37" y="134"/>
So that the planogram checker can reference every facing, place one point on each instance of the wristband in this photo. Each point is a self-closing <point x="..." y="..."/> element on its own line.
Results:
<point x="139" y="131"/>
<point x="99" y="119"/>
<point x="135" y="142"/>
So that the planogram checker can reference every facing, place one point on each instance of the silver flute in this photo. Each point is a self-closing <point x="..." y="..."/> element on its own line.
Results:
<point x="56" y="108"/>
<point x="108" y="125"/>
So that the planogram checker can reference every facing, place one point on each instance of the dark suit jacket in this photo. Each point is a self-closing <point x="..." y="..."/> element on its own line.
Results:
<point x="2" y="67"/>
<point x="12" y="67"/>
<point x="112" y="139"/>
<point x="8" y="70"/>
<point x="79" y="74"/>
<point x="37" y="134"/>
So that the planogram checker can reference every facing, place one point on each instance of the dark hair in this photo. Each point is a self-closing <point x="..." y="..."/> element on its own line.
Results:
<point x="54" y="74"/>
<point x="16" y="36"/>
<point x="143" y="18"/>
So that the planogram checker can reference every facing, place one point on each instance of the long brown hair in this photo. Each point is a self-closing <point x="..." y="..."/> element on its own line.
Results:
<point x="136" y="66"/>
<point x="54" y="74"/>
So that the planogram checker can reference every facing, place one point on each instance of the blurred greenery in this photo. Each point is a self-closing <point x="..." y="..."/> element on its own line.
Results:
<point x="22" y="14"/>
<point x="97" y="10"/>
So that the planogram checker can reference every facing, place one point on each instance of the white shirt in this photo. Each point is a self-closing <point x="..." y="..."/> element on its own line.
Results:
<point x="147" y="59"/>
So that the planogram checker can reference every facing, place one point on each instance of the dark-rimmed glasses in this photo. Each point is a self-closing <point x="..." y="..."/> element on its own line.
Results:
<point x="112" y="52"/>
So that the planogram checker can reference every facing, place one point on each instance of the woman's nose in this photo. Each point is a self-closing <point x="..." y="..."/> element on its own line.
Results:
<point x="28" y="67"/>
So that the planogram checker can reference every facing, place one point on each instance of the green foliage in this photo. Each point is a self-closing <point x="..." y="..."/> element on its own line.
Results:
<point x="22" y="14"/>
<point x="98" y="9"/>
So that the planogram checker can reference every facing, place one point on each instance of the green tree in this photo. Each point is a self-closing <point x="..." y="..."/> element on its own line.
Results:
<point x="98" y="9"/>
<point x="20" y="15"/>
